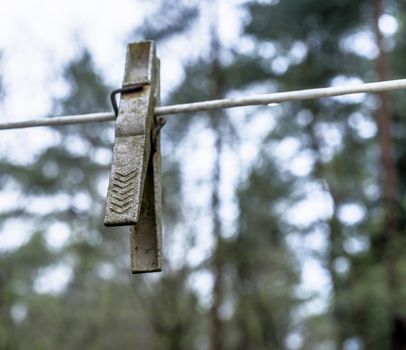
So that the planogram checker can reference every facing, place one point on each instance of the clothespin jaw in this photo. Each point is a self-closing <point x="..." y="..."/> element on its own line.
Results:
<point x="134" y="192"/>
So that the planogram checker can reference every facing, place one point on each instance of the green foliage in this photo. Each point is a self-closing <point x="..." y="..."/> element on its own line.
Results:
<point x="101" y="306"/>
<point x="171" y="17"/>
<point x="256" y="300"/>
<point x="265" y="268"/>
<point x="360" y="297"/>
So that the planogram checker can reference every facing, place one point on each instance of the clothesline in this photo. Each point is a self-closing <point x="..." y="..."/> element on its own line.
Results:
<point x="254" y="100"/>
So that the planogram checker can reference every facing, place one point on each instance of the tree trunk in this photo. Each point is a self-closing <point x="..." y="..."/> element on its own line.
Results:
<point x="388" y="186"/>
<point x="335" y="235"/>
<point x="217" y="88"/>
<point x="216" y="322"/>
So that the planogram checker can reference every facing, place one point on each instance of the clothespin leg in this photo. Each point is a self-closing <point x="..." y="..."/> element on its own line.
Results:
<point x="146" y="235"/>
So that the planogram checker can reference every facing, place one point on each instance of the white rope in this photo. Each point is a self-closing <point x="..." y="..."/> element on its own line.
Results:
<point x="253" y="100"/>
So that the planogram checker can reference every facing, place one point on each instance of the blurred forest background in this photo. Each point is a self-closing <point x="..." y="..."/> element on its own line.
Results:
<point x="324" y="181"/>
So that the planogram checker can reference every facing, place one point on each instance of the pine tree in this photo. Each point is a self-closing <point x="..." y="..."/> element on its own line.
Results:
<point x="361" y="292"/>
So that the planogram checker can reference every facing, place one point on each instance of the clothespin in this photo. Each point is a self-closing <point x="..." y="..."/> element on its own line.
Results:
<point x="134" y="192"/>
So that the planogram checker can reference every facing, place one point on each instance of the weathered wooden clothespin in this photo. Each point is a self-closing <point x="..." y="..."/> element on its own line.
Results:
<point x="134" y="192"/>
